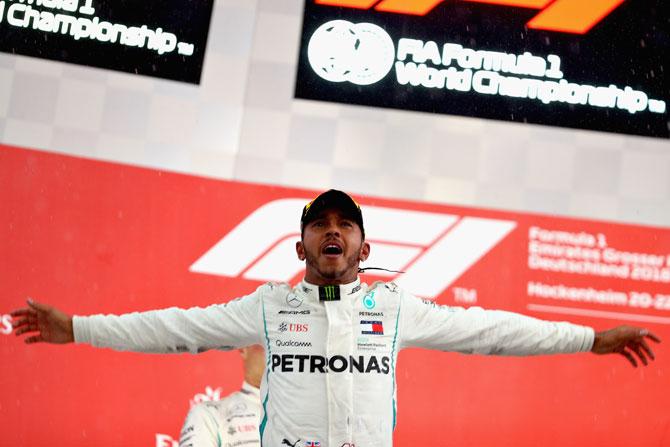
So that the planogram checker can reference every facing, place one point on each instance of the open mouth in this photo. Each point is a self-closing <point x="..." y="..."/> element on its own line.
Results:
<point x="332" y="249"/>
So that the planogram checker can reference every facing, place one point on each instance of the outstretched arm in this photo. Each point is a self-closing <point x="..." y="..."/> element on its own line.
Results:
<point x="43" y="323"/>
<point x="628" y="341"/>
<point x="479" y="331"/>
<point x="220" y="326"/>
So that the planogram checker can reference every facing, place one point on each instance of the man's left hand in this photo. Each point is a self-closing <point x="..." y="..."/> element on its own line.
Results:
<point x="628" y="341"/>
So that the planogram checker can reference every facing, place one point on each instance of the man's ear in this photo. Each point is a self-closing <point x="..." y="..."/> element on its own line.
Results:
<point x="365" y="252"/>
<point x="300" y="250"/>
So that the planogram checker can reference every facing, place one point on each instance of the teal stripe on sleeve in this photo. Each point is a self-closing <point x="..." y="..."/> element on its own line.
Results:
<point x="393" y="356"/>
<point x="267" y="374"/>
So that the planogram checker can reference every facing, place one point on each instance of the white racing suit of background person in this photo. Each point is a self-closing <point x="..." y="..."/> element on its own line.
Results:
<point x="330" y="371"/>
<point x="231" y="421"/>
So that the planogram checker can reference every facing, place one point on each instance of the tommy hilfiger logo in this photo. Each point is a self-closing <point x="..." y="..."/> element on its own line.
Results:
<point x="372" y="327"/>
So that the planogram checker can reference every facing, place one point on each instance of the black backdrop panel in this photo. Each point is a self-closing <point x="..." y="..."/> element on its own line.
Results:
<point x="161" y="38"/>
<point x="612" y="77"/>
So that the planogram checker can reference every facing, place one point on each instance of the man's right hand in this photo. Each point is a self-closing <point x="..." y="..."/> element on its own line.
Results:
<point x="51" y="325"/>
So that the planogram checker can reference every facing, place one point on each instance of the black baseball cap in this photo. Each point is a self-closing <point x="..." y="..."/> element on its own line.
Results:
<point x="332" y="199"/>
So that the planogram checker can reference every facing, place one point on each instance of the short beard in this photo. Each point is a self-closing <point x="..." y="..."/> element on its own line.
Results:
<point x="351" y="262"/>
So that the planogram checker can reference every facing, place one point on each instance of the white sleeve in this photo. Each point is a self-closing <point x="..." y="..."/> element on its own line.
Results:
<point x="479" y="331"/>
<point x="220" y="326"/>
<point x="201" y="428"/>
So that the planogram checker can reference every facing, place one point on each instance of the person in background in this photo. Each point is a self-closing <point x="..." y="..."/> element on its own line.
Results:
<point x="234" y="419"/>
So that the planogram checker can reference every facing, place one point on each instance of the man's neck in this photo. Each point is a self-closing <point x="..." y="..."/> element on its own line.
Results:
<point x="324" y="282"/>
<point x="253" y="380"/>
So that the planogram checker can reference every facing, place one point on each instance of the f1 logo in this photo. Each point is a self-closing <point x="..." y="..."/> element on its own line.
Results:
<point x="433" y="249"/>
<point x="568" y="16"/>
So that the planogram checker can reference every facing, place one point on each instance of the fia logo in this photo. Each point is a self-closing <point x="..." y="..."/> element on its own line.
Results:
<point x="360" y="53"/>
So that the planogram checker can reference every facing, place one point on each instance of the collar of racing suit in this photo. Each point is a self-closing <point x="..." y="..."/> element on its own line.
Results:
<point x="346" y="290"/>
<point x="250" y="390"/>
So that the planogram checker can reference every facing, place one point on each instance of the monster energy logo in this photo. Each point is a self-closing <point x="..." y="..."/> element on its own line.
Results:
<point x="329" y="293"/>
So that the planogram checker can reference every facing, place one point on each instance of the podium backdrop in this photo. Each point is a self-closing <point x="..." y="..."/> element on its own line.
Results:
<point x="94" y="237"/>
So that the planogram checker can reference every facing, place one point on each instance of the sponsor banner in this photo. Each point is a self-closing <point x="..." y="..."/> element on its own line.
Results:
<point x="93" y="237"/>
<point x="5" y="324"/>
<point x="153" y="38"/>
<point x="562" y="63"/>
<point x="163" y="440"/>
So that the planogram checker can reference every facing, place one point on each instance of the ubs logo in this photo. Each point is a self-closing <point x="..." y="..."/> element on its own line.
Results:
<point x="293" y="327"/>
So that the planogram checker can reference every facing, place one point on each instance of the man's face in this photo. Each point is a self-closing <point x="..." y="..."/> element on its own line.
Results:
<point x="332" y="246"/>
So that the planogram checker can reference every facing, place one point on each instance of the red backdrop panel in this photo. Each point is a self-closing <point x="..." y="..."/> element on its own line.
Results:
<point x="94" y="237"/>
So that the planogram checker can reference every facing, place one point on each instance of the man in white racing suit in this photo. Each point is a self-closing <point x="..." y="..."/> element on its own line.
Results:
<point x="233" y="420"/>
<point x="331" y="343"/>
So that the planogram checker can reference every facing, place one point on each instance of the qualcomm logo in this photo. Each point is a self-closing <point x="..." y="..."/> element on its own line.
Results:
<point x="360" y="53"/>
<point x="433" y="249"/>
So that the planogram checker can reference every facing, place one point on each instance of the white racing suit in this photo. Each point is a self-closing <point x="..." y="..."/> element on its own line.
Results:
<point x="231" y="421"/>
<point x="330" y="375"/>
